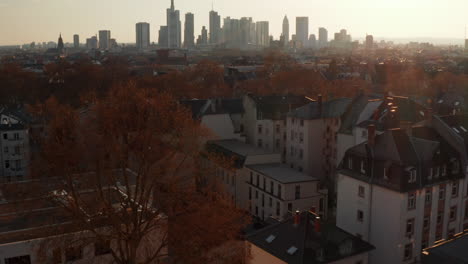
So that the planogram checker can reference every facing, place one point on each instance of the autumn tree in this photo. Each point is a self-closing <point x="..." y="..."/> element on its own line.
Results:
<point x="137" y="153"/>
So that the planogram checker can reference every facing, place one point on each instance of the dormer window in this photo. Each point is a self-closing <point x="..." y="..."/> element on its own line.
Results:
<point x="411" y="175"/>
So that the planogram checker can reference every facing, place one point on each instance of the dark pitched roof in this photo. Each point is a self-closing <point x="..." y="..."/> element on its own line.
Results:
<point x="201" y="107"/>
<point x="354" y="111"/>
<point x="234" y="149"/>
<point x="330" y="109"/>
<point x="451" y="252"/>
<point x="307" y="241"/>
<point x="277" y="106"/>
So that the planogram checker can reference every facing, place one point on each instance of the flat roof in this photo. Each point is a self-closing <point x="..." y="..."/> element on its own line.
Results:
<point x="282" y="173"/>
<point x="241" y="148"/>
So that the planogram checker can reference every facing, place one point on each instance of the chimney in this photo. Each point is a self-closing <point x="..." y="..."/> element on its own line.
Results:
<point x="320" y="104"/>
<point x="297" y="218"/>
<point x="371" y="135"/>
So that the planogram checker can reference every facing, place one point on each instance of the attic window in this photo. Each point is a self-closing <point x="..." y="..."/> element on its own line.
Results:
<point x="292" y="250"/>
<point x="270" y="239"/>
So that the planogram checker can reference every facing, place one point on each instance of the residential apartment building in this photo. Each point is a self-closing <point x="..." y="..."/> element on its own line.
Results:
<point x="402" y="191"/>
<point x="311" y="137"/>
<point x="305" y="239"/>
<point x="264" y="120"/>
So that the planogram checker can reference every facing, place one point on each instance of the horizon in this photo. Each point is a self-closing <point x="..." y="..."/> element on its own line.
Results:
<point x="43" y="20"/>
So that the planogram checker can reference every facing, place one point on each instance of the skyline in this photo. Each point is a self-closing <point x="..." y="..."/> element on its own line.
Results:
<point x="43" y="20"/>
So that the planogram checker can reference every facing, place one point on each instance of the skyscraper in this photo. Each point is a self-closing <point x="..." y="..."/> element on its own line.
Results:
<point x="104" y="39"/>
<point x="263" y="35"/>
<point x="189" y="30"/>
<point x="323" y="37"/>
<point x="76" y="41"/>
<point x="173" y="27"/>
<point x="92" y="43"/>
<point x="369" y="42"/>
<point x="245" y="32"/>
<point x="163" y="40"/>
<point x="203" y="38"/>
<point x="142" y="35"/>
<point x="285" y="31"/>
<point x="60" y="45"/>
<point x="215" y="27"/>
<point x="302" y="30"/>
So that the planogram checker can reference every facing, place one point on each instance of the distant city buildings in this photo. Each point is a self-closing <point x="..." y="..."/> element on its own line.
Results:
<point x="285" y="32"/>
<point x="174" y="32"/>
<point x="76" y="41"/>
<point x="189" y="31"/>
<point x="369" y="42"/>
<point x="323" y="37"/>
<point x="92" y="43"/>
<point x="313" y="41"/>
<point x="104" y="39"/>
<point x="263" y="35"/>
<point x="302" y="30"/>
<point x="215" y="27"/>
<point x="203" y="38"/>
<point x="163" y="39"/>
<point x="142" y="35"/>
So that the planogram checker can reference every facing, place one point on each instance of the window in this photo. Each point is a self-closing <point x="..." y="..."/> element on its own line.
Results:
<point x="431" y="172"/>
<point x="412" y="176"/>
<point x="279" y="190"/>
<point x="385" y="176"/>
<point x="411" y="201"/>
<point x="455" y="189"/>
<point x="426" y="223"/>
<point x="272" y="186"/>
<point x="251" y="177"/>
<point x="18" y="260"/>
<point x="264" y="183"/>
<point x="361" y="191"/>
<point x="363" y="167"/>
<point x="5" y="136"/>
<point x="455" y="166"/>
<point x="321" y="205"/>
<point x="258" y="180"/>
<point x="7" y="164"/>
<point x="444" y="170"/>
<point x="16" y="136"/>
<point x="301" y="137"/>
<point x="350" y="163"/>
<point x="440" y="216"/>
<point x="270" y="202"/>
<point x="263" y="200"/>
<point x="260" y="143"/>
<point x="241" y="128"/>
<point x="278" y="127"/>
<point x="5" y="149"/>
<point x="102" y="248"/>
<point x="17" y="150"/>
<point x="256" y="194"/>
<point x="260" y="128"/>
<point x="408" y="252"/>
<point x="302" y="122"/>
<point x="278" y="208"/>
<point x="437" y="171"/>
<point x="360" y="215"/>
<point x="428" y="197"/>
<point x="289" y="207"/>
<point x="453" y="213"/>
<point x="250" y="193"/>
<point x="410" y="226"/>
<point x="298" y="192"/>
<point x="256" y="210"/>
<point x="73" y="253"/>
<point x="442" y="192"/>
<point x="301" y="153"/>
<point x="277" y="144"/>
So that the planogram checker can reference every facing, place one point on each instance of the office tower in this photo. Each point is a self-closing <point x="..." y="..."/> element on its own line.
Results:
<point x="142" y="35"/>
<point x="245" y="34"/>
<point x="313" y="41"/>
<point x="369" y="42"/>
<point x="286" y="31"/>
<point x="323" y="37"/>
<point x="204" y="36"/>
<point x="76" y="41"/>
<point x="215" y="27"/>
<point x="189" y="31"/>
<point x="263" y="35"/>
<point x="92" y="43"/>
<point x="104" y="39"/>
<point x="60" y="45"/>
<point x="302" y="30"/>
<point x="163" y="39"/>
<point x="174" y="31"/>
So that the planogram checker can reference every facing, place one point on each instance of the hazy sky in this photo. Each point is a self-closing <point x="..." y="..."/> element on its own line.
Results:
<point x="24" y="21"/>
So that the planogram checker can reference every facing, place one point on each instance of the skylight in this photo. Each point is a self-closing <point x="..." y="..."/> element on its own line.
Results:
<point x="464" y="129"/>
<point x="292" y="250"/>
<point x="270" y="239"/>
<point x="456" y="130"/>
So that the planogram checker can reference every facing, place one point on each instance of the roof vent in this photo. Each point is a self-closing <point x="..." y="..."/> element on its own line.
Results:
<point x="292" y="250"/>
<point x="270" y="239"/>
